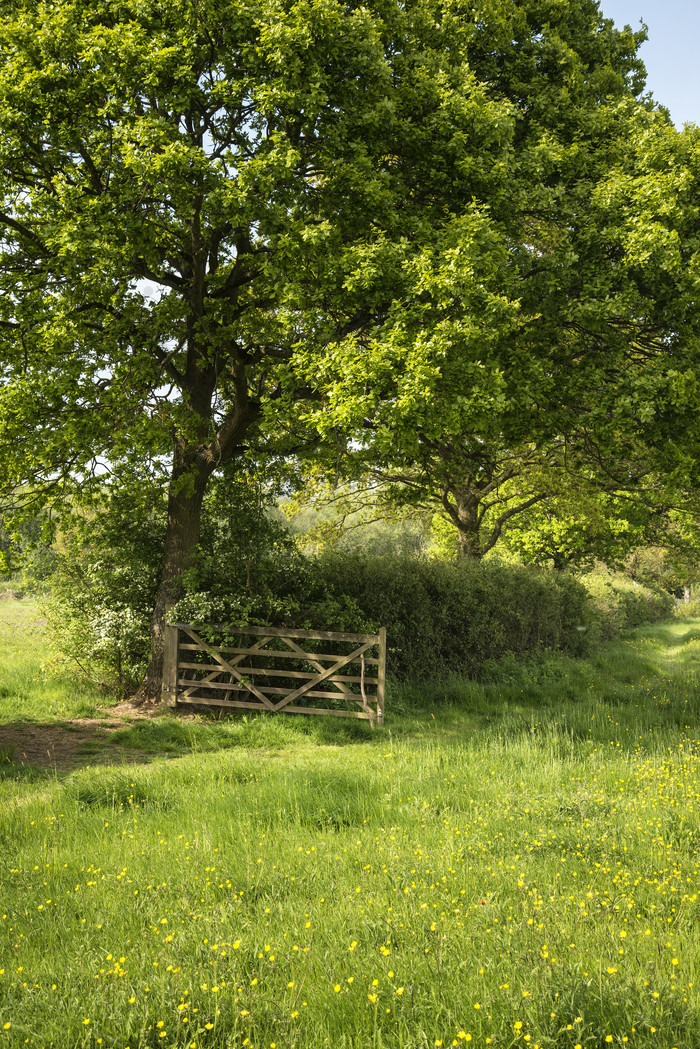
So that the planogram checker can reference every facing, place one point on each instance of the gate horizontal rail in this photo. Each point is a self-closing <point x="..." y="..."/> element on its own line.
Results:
<point x="238" y="670"/>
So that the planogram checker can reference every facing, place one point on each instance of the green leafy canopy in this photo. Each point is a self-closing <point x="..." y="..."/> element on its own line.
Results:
<point x="231" y="225"/>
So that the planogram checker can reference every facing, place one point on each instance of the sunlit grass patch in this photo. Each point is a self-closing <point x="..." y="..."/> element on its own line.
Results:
<point x="29" y="690"/>
<point x="488" y="870"/>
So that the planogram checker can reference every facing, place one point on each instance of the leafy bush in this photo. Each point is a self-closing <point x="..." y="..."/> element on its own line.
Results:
<point x="27" y="557"/>
<point x="440" y="617"/>
<point x="620" y="603"/>
<point x="102" y="591"/>
<point x="444" y="617"/>
<point x="99" y="598"/>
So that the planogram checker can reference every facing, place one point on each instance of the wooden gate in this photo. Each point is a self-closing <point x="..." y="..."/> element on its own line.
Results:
<point x="266" y="668"/>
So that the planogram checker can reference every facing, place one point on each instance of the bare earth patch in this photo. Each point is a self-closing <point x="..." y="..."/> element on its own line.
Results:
<point x="62" y="745"/>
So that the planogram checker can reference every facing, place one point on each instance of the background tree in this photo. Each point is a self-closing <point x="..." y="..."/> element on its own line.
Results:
<point x="579" y="525"/>
<point x="591" y="341"/>
<point x="324" y="514"/>
<point x="672" y="560"/>
<point x="475" y="484"/>
<point x="552" y="506"/>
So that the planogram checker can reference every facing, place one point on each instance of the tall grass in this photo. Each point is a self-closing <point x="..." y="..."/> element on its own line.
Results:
<point x="30" y="687"/>
<point x="510" y="863"/>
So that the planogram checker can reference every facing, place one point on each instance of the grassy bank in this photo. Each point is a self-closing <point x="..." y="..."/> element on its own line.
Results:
<point x="506" y="864"/>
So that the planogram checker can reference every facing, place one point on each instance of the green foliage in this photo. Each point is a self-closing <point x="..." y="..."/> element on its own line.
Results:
<point x="242" y="531"/>
<point x="220" y="201"/>
<point x="444" y="544"/>
<point x="288" y="589"/>
<point x="673" y="563"/>
<point x="442" y="617"/>
<point x="439" y="617"/>
<point x="26" y="554"/>
<point x="578" y="525"/>
<point x="585" y="356"/>
<point x="99" y="598"/>
<point x="654" y="566"/>
<point x="621" y="603"/>
<point x="456" y="617"/>
<point x="352" y="518"/>
<point x="212" y="241"/>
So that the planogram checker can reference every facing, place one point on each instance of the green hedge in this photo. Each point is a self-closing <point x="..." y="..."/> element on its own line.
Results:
<point x="619" y="603"/>
<point x="446" y="618"/>
<point x="439" y="617"/>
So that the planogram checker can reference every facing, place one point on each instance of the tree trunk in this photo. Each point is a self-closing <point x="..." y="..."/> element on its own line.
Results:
<point x="191" y="473"/>
<point x="468" y="526"/>
<point x="468" y="545"/>
<point x="193" y="465"/>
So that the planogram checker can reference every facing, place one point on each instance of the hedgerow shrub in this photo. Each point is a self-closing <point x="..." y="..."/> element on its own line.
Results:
<point x="98" y="600"/>
<point x="100" y="596"/>
<point x="620" y="603"/>
<point x="443" y="617"/>
<point x="439" y="617"/>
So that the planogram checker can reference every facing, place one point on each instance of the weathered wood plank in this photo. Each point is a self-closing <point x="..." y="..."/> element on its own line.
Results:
<point x="269" y="690"/>
<point x="382" y="676"/>
<point x="327" y="673"/>
<point x="319" y="666"/>
<point x="277" y="654"/>
<point x="243" y="705"/>
<point x="230" y="667"/>
<point x="197" y="691"/>
<point x="268" y="671"/>
<point x="315" y="635"/>
<point x="214" y="673"/>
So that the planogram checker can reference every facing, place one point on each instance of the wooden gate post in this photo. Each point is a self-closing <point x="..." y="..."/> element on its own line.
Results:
<point x="168" y="696"/>
<point x="381" y="675"/>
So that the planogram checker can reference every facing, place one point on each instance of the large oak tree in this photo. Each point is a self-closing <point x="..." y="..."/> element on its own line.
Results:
<point x="586" y="367"/>
<point x="223" y="221"/>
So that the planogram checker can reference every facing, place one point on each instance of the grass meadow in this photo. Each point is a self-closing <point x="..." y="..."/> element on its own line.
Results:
<point x="514" y="863"/>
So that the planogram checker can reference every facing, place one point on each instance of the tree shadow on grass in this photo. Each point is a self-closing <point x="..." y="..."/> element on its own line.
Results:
<point x="29" y="749"/>
<point x="64" y="746"/>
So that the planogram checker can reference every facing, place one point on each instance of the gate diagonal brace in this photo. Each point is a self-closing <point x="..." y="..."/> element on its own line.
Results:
<point x="230" y="667"/>
<point x="213" y="674"/>
<point x="323" y="676"/>
<point x="257" y="647"/>
<point x="344" y="691"/>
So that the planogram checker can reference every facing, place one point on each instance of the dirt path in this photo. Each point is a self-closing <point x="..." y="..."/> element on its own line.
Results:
<point x="61" y="745"/>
